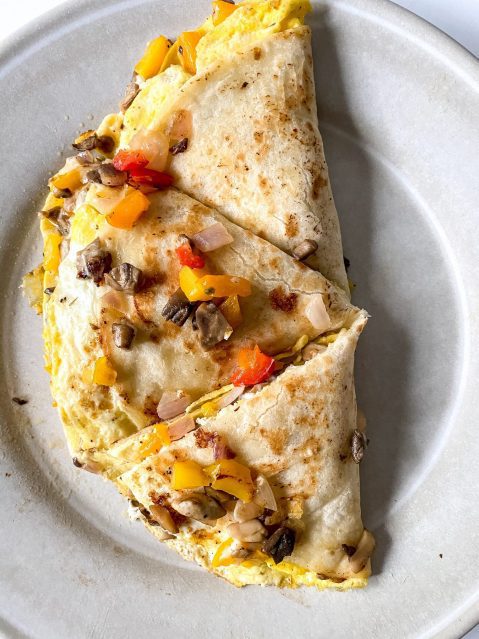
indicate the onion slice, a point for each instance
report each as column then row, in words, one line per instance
column 264, row 495
column 155, row 147
column 229, row 397
column 180, row 427
column 171, row 405
column 115, row 299
column 212, row 238
column 317, row 314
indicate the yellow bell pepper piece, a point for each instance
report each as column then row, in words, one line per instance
column 222, row 10
column 154, row 443
column 232, row 311
column 51, row 252
column 232, row 477
column 128, row 210
column 219, row 559
column 210, row 286
column 188, row 474
column 171, row 57
column 189, row 277
column 70, row 180
column 153, row 58
column 187, row 50
column 103, row 373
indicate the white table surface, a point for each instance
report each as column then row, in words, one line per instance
column 457, row 18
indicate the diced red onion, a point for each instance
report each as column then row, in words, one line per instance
column 212, row 238
column 115, row 299
column 229, row 397
column 155, row 147
column 317, row 314
column 180, row 427
column 264, row 495
column 171, row 405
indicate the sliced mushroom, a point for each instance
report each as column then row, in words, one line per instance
column 280, row 544
column 94, row 176
column 93, row 262
column 131, row 92
column 59, row 218
column 85, row 158
column 363, row 552
column 126, row 278
column 86, row 141
column 305, row 249
column 109, row 176
column 248, row 531
column 218, row 495
column 105, row 143
column 212, row 325
column 163, row 517
column 179, row 147
column 246, row 511
column 349, row 550
column 61, row 194
column 123, row 335
column 358, row 444
column 178, row 308
column 200, row 507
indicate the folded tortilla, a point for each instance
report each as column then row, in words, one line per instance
column 296, row 431
column 255, row 152
column 165, row 357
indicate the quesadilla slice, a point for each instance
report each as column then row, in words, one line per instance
column 140, row 322
column 234, row 104
column 265, row 491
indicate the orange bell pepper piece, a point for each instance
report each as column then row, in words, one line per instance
column 154, row 443
column 187, row 50
column 188, row 474
column 103, row 373
column 126, row 213
column 210, row 286
column 222, row 10
column 150, row 63
column 232, row 311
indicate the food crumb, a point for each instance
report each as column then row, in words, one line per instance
column 440, row 555
column 19, row 400
column 8, row 474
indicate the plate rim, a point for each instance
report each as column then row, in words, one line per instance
column 23, row 41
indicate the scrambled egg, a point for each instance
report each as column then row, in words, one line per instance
column 250, row 23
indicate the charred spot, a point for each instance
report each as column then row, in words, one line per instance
column 280, row 300
column 319, row 183
column 204, row 438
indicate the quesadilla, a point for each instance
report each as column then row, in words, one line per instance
column 238, row 111
column 268, row 477
column 194, row 362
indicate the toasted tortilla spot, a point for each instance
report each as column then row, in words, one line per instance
column 291, row 226
column 319, row 183
column 280, row 300
column 257, row 53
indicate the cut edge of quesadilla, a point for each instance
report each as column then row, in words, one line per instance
column 306, row 462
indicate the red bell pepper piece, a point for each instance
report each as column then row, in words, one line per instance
column 128, row 160
column 253, row 367
column 188, row 258
column 152, row 178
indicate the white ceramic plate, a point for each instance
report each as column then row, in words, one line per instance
column 399, row 106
